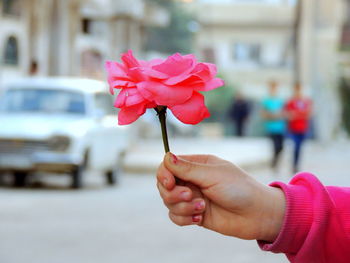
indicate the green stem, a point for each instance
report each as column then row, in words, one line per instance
column 161, row 110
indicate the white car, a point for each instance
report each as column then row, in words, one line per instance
column 60, row 125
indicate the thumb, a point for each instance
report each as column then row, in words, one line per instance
column 197, row 173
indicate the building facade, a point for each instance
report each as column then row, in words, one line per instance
column 251, row 42
column 70, row 37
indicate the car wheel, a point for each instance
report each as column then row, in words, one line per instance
column 112, row 177
column 78, row 173
column 77, row 178
column 20, row 179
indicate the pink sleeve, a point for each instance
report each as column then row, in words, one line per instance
column 316, row 227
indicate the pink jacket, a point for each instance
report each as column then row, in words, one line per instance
column 316, row 227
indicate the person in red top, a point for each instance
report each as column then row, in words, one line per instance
column 298, row 112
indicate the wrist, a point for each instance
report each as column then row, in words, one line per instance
column 273, row 214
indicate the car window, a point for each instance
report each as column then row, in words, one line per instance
column 104, row 102
column 43, row 100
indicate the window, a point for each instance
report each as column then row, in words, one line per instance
column 247, row 53
column 11, row 7
column 209, row 55
column 43, row 101
column 290, row 2
column 86, row 25
column 91, row 64
column 11, row 52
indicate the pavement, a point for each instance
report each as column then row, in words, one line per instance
column 144, row 156
column 49, row 223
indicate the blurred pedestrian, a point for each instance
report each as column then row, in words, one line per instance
column 33, row 68
column 275, row 124
column 298, row 111
column 239, row 113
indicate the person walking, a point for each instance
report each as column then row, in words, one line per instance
column 238, row 113
column 275, row 124
column 298, row 111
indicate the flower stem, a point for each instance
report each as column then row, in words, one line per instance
column 161, row 110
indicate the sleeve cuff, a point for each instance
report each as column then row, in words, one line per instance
column 297, row 220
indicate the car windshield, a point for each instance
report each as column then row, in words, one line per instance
column 43, row 100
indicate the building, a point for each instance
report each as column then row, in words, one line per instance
column 70, row 37
column 251, row 42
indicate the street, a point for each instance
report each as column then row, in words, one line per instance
column 49, row 223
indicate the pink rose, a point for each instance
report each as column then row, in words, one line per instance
column 174, row 83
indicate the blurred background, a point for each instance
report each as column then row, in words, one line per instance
column 76, row 187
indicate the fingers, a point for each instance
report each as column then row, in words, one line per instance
column 176, row 195
column 198, row 173
column 165, row 177
column 202, row 159
column 186, row 220
column 183, row 210
column 185, row 163
column 196, row 206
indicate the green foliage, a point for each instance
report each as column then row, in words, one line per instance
column 219, row 100
column 344, row 90
column 176, row 36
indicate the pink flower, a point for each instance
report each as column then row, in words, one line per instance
column 175, row 83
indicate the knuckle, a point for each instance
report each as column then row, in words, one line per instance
column 178, row 220
column 160, row 171
column 211, row 157
column 167, row 196
column 167, row 205
column 162, row 194
column 183, row 208
column 181, row 223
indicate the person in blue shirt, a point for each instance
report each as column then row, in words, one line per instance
column 275, row 124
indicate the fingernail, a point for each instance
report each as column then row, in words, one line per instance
column 185, row 195
column 196, row 218
column 200, row 205
column 173, row 158
column 165, row 182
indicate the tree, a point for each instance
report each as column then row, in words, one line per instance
column 296, row 41
column 176, row 36
column 344, row 90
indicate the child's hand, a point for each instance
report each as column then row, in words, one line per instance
column 219, row 196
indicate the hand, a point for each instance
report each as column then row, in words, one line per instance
column 219, row 196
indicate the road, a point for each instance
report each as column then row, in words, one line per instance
column 49, row 223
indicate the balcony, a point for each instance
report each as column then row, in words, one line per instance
column 243, row 15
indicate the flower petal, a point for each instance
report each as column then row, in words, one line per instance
column 133, row 97
column 202, row 71
column 128, row 97
column 162, row 94
column 130, row 114
column 119, row 84
column 115, row 71
column 175, row 65
column 210, row 85
column 153, row 73
column 192, row 111
column 212, row 68
column 153, row 62
column 129, row 60
column 120, row 100
column 177, row 79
